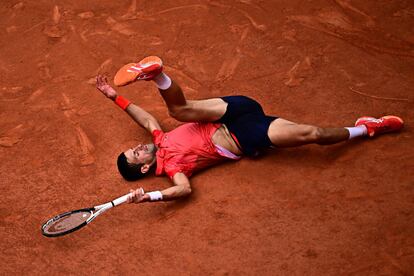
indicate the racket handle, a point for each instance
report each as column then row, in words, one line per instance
column 121, row 199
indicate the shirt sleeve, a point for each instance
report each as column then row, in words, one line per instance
column 157, row 136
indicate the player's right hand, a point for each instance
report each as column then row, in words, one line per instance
column 103, row 86
column 137, row 196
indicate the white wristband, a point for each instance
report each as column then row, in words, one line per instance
column 155, row 196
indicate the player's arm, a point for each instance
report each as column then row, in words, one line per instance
column 139, row 115
column 143, row 118
column 181, row 188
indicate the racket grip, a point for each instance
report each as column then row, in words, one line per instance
column 121, row 199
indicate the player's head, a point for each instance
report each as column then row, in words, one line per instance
column 137, row 162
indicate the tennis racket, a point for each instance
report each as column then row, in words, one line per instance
column 69, row 222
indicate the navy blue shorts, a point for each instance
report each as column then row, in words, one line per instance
column 246, row 120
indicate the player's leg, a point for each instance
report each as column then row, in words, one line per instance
column 151, row 68
column 188, row 110
column 284, row 133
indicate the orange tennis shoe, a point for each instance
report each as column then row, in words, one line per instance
column 382, row 125
column 146, row 69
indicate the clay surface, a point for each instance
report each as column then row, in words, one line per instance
column 346, row 209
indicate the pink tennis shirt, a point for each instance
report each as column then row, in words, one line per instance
column 188, row 148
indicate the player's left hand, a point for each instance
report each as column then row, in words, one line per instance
column 103, row 86
column 137, row 196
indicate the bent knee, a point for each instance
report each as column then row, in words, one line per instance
column 179, row 112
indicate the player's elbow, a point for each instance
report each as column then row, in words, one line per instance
column 186, row 190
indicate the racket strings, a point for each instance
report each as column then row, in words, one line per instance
column 67, row 222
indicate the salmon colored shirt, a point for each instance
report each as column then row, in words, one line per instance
column 187, row 148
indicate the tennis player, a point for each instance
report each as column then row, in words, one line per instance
column 215, row 130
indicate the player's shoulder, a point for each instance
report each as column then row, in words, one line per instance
column 157, row 136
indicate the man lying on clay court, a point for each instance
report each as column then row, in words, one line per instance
column 217, row 129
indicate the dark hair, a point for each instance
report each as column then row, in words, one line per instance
column 130, row 172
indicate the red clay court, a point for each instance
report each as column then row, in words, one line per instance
column 346, row 209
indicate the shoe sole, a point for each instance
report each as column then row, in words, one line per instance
column 146, row 65
column 131, row 71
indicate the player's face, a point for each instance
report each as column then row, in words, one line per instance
column 141, row 154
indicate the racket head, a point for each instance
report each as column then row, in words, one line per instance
column 66, row 223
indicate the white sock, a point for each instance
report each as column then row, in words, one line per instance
column 357, row 131
column 163, row 81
